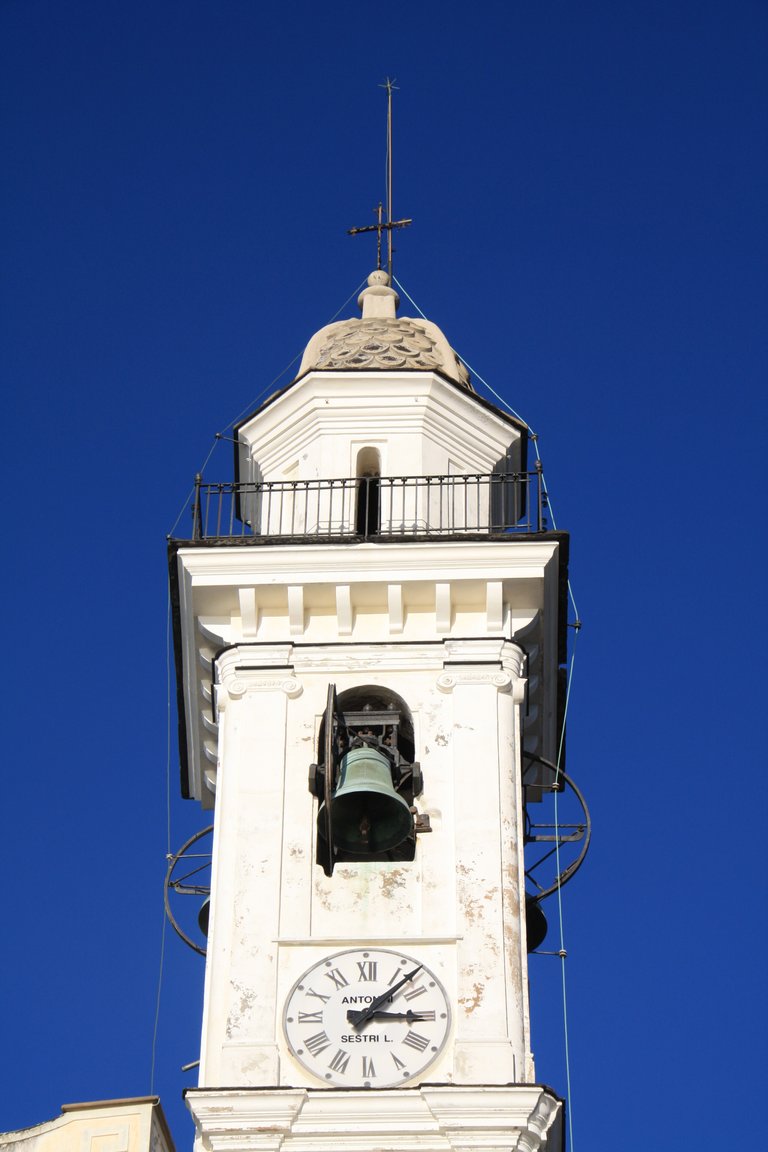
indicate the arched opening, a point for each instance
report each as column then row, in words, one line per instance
column 375, row 718
column 375, row 708
column 368, row 510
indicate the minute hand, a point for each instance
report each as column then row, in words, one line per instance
column 366, row 1013
column 410, row 1016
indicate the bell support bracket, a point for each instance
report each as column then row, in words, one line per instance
column 560, row 833
column 328, row 781
column 188, row 874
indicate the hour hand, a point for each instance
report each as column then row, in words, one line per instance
column 353, row 1017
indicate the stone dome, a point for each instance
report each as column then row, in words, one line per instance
column 382, row 341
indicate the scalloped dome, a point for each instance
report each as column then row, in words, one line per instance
column 380, row 341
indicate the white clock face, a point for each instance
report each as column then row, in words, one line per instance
column 367, row 1017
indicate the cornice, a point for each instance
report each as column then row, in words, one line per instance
column 441, row 1118
column 289, row 564
column 332, row 390
column 508, row 586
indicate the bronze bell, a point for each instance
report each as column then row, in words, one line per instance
column 535, row 923
column 203, row 916
column 368, row 816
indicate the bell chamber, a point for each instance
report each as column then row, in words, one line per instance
column 366, row 778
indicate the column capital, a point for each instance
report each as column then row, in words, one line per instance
column 244, row 668
column 496, row 662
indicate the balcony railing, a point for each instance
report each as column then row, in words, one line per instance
column 370, row 508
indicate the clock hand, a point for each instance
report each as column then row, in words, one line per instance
column 359, row 1018
column 410, row 1015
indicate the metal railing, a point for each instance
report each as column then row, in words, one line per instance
column 371, row 507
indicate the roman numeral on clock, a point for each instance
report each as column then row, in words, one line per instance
column 338, row 978
column 414, row 1040
column 317, row 1043
column 340, row 1061
column 412, row 993
column 318, row 995
column 316, row 1017
column 367, row 969
column 368, row 1068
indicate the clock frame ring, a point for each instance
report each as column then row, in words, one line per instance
column 367, row 1017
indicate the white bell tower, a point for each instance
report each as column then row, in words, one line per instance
column 369, row 624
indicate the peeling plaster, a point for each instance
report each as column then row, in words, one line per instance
column 473, row 908
column 323, row 897
column 247, row 998
column 391, row 881
column 471, row 1003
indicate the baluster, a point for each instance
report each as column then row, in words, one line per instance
column 268, row 510
column 197, row 527
column 218, row 510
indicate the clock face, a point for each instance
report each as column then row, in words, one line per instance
column 367, row 1018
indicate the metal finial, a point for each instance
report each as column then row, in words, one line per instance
column 389, row 85
column 389, row 224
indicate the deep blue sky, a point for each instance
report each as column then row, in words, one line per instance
column 588, row 188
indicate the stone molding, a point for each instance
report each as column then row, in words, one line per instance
column 239, row 1120
column 450, row 680
column 241, row 657
column 474, row 661
column 219, row 584
column 283, row 564
column 496, row 1118
column 260, row 668
column 444, row 1118
column 238, row 686
column 254, row 667
column 304, row 432
column 275, row 667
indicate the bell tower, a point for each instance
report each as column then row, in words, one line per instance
column 369, row 628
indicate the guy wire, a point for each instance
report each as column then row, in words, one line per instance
column 577, row 625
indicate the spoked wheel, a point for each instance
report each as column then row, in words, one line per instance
column 189, row 874
column 558, row 830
